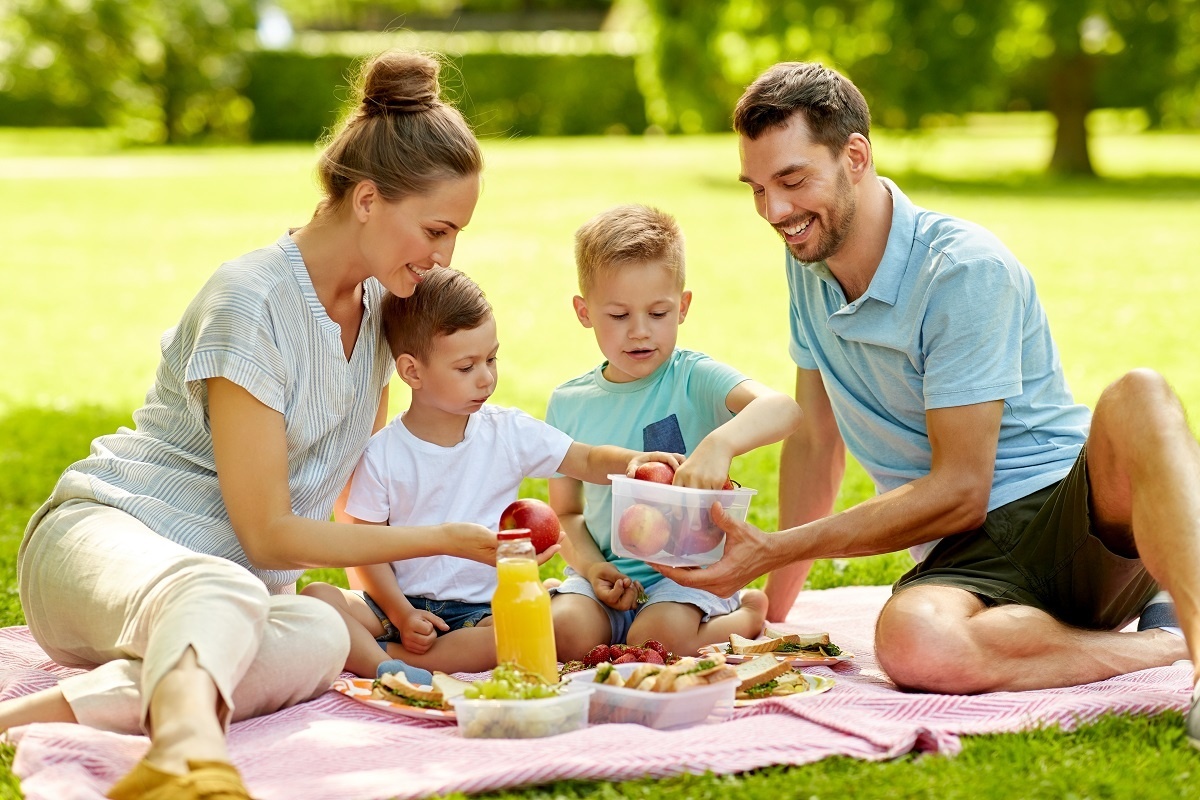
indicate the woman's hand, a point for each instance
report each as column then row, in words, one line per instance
column 418, row 630
column 467, row 540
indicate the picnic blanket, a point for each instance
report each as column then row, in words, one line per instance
column 336, row 747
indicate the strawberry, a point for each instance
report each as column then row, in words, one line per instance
column 628, row 658
column 652, row 657
column 656, row 646
column 597, row 655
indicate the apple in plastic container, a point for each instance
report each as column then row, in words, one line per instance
column 538, row 517
column 643, row 530
column 697, row 533
column 655, row 472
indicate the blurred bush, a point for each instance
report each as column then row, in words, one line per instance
column 541, row 85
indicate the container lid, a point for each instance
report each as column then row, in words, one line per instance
column 514, row 534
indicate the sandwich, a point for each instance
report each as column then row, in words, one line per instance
column 767, row 676
column 395, row 688
column 780, row 643
column 683, row 674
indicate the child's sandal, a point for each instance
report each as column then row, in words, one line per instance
column 204, row 780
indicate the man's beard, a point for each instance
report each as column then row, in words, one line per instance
column 835, row 227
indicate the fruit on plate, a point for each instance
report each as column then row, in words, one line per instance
column 538, row 517
column 655, row 472
column 643, row 530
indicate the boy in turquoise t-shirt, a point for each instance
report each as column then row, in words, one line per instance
column 648, row 395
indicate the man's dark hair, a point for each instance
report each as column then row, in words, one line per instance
column 832, row 106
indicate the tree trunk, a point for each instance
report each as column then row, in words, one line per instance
column 1069, row 98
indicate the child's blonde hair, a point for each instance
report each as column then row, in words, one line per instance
column 445, row 302
column 630, row 234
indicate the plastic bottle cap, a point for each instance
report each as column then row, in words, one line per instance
column 514, row 534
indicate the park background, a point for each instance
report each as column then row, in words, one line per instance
column 143, row 142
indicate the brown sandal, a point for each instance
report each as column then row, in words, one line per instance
column 205, row 780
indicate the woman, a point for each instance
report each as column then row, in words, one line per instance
column 169, row 556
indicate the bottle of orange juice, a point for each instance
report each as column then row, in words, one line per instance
column 521, row 608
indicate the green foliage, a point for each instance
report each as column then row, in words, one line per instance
column 914, row 59
column 297, row 95
column 158, row 70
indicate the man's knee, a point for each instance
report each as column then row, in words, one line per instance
column 1140, row 400
column 923, row 644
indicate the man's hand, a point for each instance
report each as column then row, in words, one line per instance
column 613, row 588
column 747, row 555
column 418, row 630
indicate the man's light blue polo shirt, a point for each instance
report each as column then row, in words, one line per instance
column 951, row 318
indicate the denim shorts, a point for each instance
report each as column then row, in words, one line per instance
column 1040, row 551
column 453, row 613
column 664, row 591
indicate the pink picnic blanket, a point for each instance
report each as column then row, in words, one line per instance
column 336, row 747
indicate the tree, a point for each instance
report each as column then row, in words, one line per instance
column 159, row 70
column 913, row 58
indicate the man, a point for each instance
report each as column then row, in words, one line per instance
column 1040, row 530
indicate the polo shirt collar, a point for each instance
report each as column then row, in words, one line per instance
column 885, row 284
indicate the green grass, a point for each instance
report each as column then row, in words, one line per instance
column 104, row 248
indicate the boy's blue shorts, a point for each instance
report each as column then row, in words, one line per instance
column 453, row 613
column 663, row 591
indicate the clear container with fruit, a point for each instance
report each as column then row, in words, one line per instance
column 672, row 525
column 514, row 704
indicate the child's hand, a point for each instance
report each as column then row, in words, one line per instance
column 706, row 468
column 613, row 588
column 418, row 630
column 672, row 459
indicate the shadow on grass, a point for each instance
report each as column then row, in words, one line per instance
column 1028, row 185
column 36, row 445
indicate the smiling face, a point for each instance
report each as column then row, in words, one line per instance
column 459, row 374
column 635, row 311
column 404, row 239
column 801, row 188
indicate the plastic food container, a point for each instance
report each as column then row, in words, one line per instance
column 671, row 525
column 523, row 719
column 661, row 710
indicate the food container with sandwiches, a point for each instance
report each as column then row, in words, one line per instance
column 672, row 525
column 690, row 692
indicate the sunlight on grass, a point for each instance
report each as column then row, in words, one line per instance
column 105, row 247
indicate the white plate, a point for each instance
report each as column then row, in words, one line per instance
column 360, row 689
column 795, row 659
column 817, row 684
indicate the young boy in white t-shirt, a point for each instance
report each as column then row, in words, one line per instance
column 449, row 457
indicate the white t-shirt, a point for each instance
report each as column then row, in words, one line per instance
column 403, row 480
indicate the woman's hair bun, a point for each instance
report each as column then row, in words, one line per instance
column 401, row 82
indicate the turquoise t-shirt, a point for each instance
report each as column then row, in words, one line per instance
column 951, row 318
column 672, row 410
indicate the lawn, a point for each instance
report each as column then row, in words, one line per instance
column 103, row 249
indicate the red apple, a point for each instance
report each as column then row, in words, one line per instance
column 655, row 472
column 643, row 530
column 535, row 515
column 697, row 534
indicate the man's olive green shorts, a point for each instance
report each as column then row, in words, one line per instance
column 1039, row 551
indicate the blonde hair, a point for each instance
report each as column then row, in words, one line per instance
column 399, row 134
column 445, row 302
column 629, row 234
